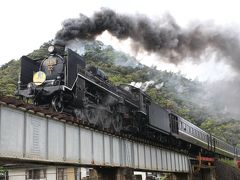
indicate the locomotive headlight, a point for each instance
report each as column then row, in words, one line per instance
column 39, row 78
column 50, row 49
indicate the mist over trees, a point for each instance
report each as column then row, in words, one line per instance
column 170, row 90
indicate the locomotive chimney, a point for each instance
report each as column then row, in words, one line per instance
column 59, row 46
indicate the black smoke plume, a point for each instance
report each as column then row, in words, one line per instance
column 163, row 36
column 166, row 38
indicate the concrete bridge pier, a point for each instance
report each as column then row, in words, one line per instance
column 124, row 174
column 111, row 174
column 208, row 174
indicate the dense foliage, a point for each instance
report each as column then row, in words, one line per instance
column 9, row 77
column 175, row 91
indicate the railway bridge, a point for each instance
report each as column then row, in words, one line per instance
column 29, row 136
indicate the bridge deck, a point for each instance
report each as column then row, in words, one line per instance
column 25, row 136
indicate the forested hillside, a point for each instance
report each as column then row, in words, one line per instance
column 170, row 90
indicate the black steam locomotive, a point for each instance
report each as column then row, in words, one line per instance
column 65, row 83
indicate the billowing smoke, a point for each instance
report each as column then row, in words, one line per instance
column 174, row 44
column 163, row 36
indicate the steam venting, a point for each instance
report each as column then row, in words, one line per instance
column 162, row 36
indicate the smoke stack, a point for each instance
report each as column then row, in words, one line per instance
column 59, row 46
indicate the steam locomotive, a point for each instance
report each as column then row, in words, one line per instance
column 64, row 82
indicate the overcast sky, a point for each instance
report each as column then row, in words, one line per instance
column 27, row 24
